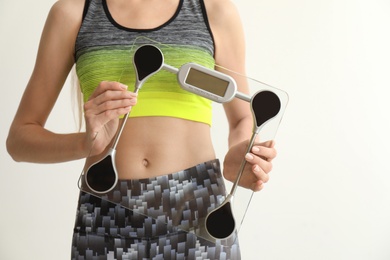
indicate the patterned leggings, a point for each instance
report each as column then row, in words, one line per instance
column 107, row 229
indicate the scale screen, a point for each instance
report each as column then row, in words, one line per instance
column 207, row 82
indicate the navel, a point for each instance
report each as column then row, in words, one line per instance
column 145, row 162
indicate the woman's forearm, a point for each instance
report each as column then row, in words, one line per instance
column 33, row 143
column 241, row 131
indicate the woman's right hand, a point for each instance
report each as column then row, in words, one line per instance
column 109, row 101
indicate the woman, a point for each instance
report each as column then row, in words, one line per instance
column 156, row 144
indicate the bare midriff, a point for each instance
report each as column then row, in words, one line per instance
column 154, row 146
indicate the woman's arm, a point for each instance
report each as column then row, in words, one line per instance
column 230, row 53
column 229, row 40
column 28, row 140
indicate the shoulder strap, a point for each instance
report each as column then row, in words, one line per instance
column 86, row 6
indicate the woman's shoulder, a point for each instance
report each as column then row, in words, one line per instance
column 220, row 7
column 221, row 13
column 64, row 20
column 67, row 11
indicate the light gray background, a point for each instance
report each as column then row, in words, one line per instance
column 329, row 195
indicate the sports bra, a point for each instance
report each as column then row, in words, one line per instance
column 104, row 50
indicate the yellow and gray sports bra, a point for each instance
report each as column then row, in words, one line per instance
column 104, row 52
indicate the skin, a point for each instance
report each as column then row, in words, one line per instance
column 149, row 146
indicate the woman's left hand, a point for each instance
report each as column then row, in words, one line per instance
column 258, row 166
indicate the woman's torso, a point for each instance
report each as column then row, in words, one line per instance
column 160, row 145
column 155, row 145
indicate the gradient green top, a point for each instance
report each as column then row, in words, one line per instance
column 105, row 49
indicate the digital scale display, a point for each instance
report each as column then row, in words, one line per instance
column 207, row 83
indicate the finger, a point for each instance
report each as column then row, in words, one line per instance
column 260, row 174
column 106, row 112
column 114, row 107
column 257, row 186
column 263, row 163
column 107, row 85
column 111, row 114
column 102, row 116
column 110, row 95
column 269, row 143
column 110, row 100
column 96, row 120
column 264, row 152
